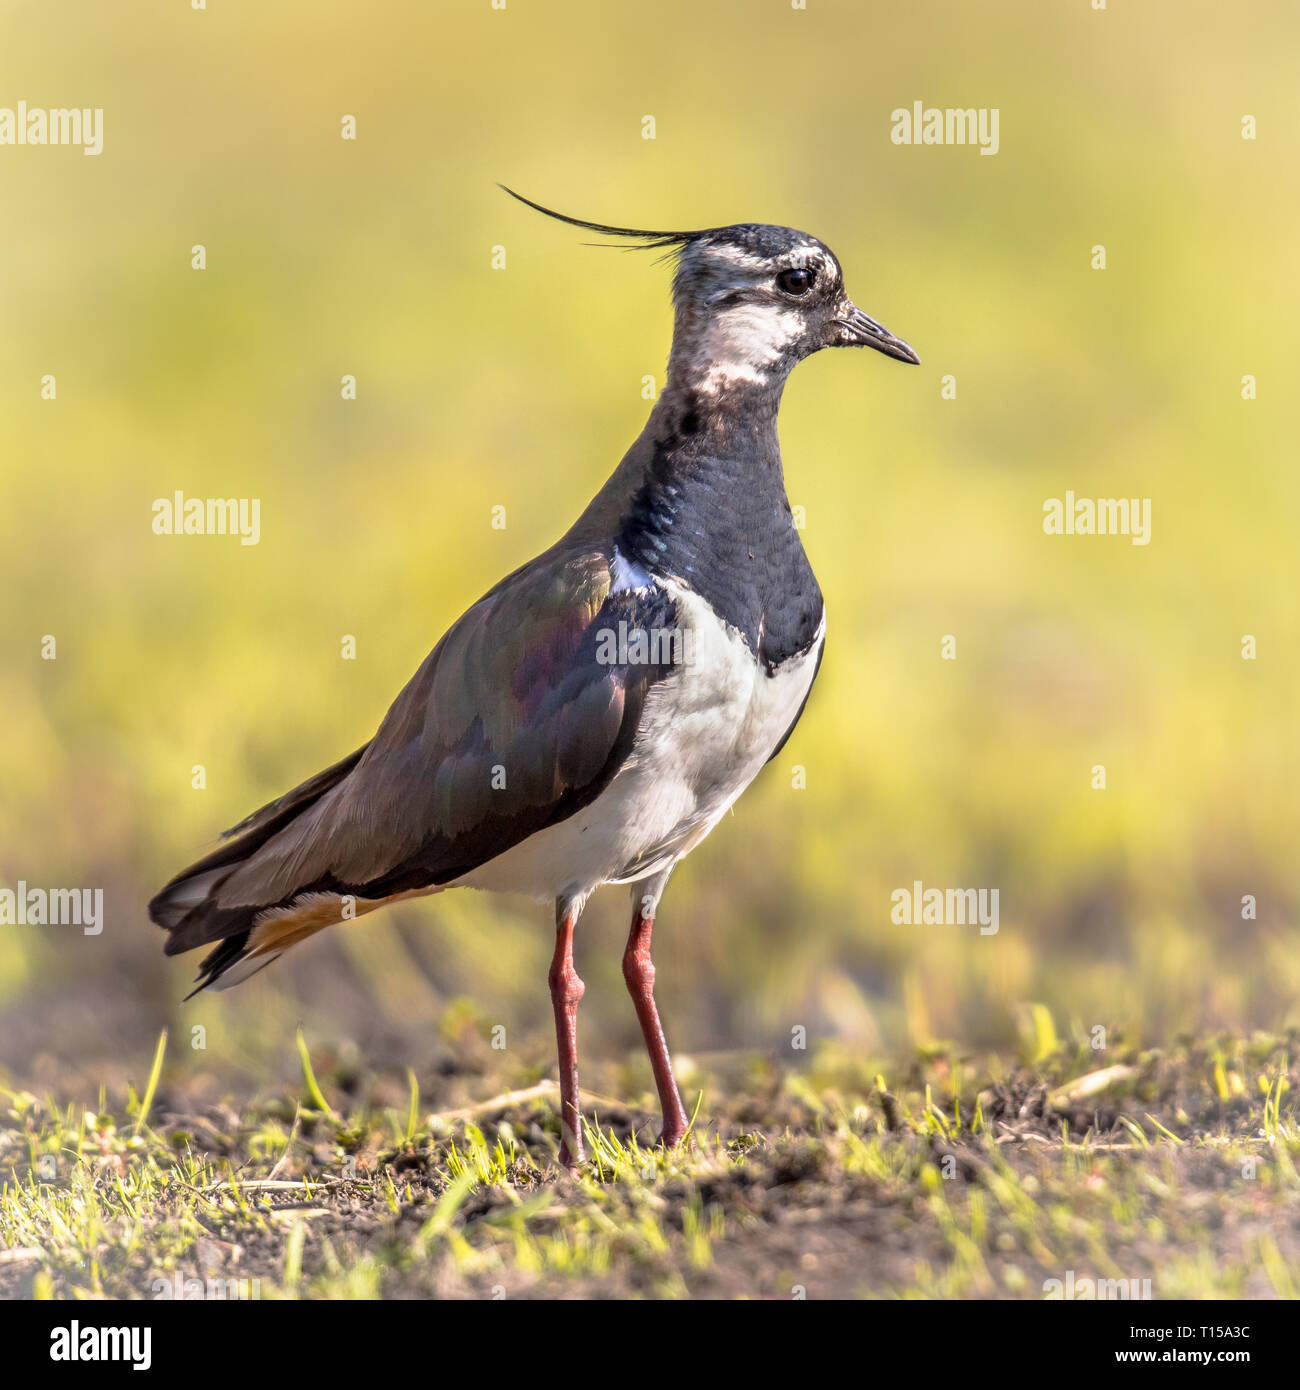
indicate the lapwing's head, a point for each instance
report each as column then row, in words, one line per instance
column 753, row 300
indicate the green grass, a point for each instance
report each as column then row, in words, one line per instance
column 938, row 1177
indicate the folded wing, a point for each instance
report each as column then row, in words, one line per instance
column 518, row 718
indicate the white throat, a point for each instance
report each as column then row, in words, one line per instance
column 743, row 343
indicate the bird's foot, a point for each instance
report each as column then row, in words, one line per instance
column 673, row 1134
column 573, row 1152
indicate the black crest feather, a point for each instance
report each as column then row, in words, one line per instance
column 649, row 240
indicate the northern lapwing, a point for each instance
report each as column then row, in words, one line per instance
column 592, row 717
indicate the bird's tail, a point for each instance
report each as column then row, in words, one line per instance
column 189, row 908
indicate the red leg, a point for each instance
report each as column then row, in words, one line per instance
column 639, row 972
column 566, row 990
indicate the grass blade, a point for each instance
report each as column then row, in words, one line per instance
column 146, row 1102
column 314, row 1092
column 413, row 1115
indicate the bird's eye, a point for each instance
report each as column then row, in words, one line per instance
column 795, row 281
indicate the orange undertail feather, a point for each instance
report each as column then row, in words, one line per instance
column 245, row 937
column 276, row 931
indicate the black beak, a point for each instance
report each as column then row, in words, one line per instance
column 857, row 330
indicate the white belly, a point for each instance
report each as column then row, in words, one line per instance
column 705, row 734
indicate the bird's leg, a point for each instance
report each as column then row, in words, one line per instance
column 639, row 972
column 566, row 990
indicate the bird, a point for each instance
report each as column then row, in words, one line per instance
column 594, row 715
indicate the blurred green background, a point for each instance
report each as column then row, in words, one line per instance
column 521, row 387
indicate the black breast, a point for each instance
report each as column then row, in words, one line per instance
column 720, row 522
